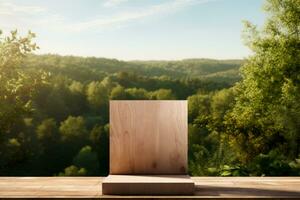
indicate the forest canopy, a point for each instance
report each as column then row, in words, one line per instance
column 244, row 115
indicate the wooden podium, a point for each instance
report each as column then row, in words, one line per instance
column 148, row 148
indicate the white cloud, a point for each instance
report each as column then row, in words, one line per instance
column 9, row 8
column 27, row 17
column 24, row 17
column 125, row 17
column 111, row 3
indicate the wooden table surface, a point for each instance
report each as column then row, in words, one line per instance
column 206, row 188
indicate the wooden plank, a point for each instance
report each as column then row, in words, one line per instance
column 148, row 185
column 50, row 187
column 148, row 137
column 248, row 187
column 206, row 188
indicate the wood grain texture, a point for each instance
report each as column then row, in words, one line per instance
column 148, row 137
column 148, row 185
column 206, row 188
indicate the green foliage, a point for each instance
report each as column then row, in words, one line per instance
column 73, row 171
column 272, row 164
column 87, row 159
column 216, row 70
column 118, row 92
column 100, row 142
column 73, row 128
column 47, row 130
column 97, row 94
column 266, row 115
column 227, row 170
column 17, row 88
column 137, row 94
column 13, row 48
column 295, row 166
column 76, row 87
column 162, row 94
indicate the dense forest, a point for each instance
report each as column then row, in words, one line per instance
column 244, row 115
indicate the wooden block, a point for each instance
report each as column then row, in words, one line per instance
column 148, row 137
column 148, row 185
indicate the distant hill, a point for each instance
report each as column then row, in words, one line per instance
column 216, row 70
column 90, row 68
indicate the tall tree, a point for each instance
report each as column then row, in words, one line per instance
column 266, row 116
column 16, row 90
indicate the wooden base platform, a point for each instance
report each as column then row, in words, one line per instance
column 148, row 185
column 205, row 188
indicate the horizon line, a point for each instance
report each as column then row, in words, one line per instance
column 141, row 60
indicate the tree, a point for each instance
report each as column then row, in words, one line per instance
column 76, row 98
column 74, row 136
column 162, row 94
column 266, row 115
column 118, row 93
column 198, row 105
column 76, row 87
column 73, row 128
column 16, row 91
column 73, row 171
column 87, row 159
column 47, row 130
column 97, row 95
column 220, row 104
column 100, row 139
column 137, row 94
column 49, row 148
column 12, row 49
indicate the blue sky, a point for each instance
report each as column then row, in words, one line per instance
column 135, row 29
